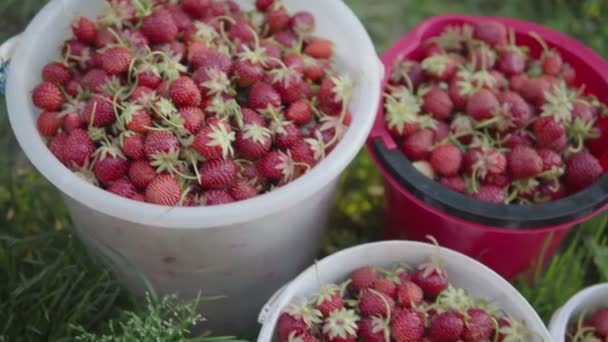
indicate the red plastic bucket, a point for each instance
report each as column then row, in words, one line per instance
column 509, row 239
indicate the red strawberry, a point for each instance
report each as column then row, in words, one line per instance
column 286, row 134
column 218, row 174
column 553, row 191
column 583, row 111
column 363, row 278
column 47, row 96
column 133, row 146
column 478, row 326
column 500, row 181
column 262, row 96
column 295, row 63
column 299, row 112
column 458, row 93
column 160, row 142
column 432, row 280
column 104, row 38
column 185, row 93
column 441, row 66
column 48, row 123
column 550, row 158
column 78, row 148
column 164, row 190
column 441, row 130
column 263, row 5
column 582, row 170
column 409, row 294
column 518, row 81
column 110, row 167
column 455, row 183
column 297, row 318
column 72, row 121
column 417, row 146
column 518, row 138
column 148, row 79
column 482, row 105
column 446, row 160
column 550, row 133
column 373, row 329
column 332, row 94
column 277, row 17
column 314, row 70
column 57, row 145
column 218, row 197
column 524, row 162
column 99, row 112
column 241, row 191
column 482, row 57
column 511, row 62
column 407, row 326
column 374, row 303
column 341, row 326
column 599, row 320
column 328, row 300
column 141, row 173
column 254, row 141
column 302, row 22
column 490, row 32
column 516, row 110
column 247, row 73
column 276, row 165
column 490, row 193
column 56, row 73
column 483, row 162
column 214, row 141
column 122, row 187
column 95, row 80
column 438, row 103
column 85, row 30
column 251, row 117
column 193, row 118
column 116, row 60
column 568, row 74
column 534, row 90
column 446, row 327
column 196, row 8
column 320, row 49
column 140, row 121
column 385, row 286
column 160, row 27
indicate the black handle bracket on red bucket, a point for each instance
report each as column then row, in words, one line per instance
column 498, row 215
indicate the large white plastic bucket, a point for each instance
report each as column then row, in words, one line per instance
column 462, row 272
column 243, row 251
column 591, row 298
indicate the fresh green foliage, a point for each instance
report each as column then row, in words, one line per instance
column 165, row 319
column 48, row 286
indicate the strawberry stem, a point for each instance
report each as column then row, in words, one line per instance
column 540, row 41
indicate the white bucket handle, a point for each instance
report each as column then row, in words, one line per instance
column 7, row 49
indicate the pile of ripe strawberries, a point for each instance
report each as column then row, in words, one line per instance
column 193, row 102
column 398, row 304
column 591, row 327
column 484, row 117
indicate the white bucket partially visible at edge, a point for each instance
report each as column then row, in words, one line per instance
column 591, row 298
column 463, row 272
column 244, row 250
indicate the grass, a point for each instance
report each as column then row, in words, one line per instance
column 49, row 290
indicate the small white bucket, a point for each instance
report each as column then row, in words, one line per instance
column 243, row 251
column 462, row 272
column 588, row 299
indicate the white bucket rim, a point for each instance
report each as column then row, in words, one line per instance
column 192, row 217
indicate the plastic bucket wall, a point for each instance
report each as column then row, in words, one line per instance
column 591, row 298
column 244, row 250
column 462, row 271
column 517, row 242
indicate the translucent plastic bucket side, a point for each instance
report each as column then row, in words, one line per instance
column 590, row 298
column 463, row 272
column 245, row 263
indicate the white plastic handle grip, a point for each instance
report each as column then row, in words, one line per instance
column 7, row 49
